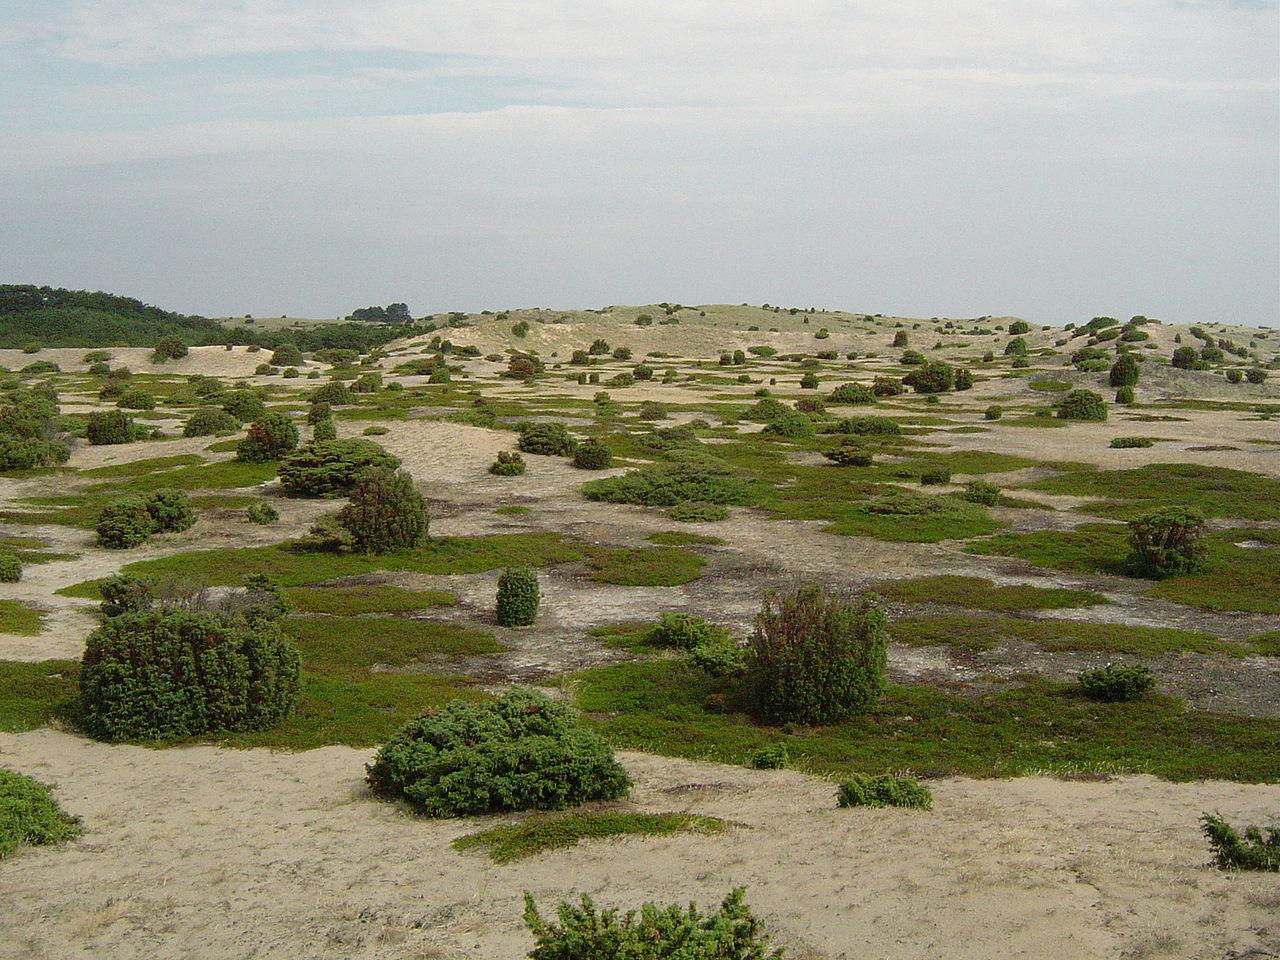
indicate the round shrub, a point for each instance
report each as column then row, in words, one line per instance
column 1019, row 327
column 10, row 568
column 123, row 594
column 1166, row 543
column 771, row 757
column 936, row 477
column 1256, row 375
column 111, row 426
column 386, row 512
column 262, row 513
column 124, row 523
column 210, row 422
column 809, row 381
column 1124, row 372
column 270, row 437
column 1125, row 396
column 546, row 439
column 517, row 597
column 508, row 464
column 964, row 379
column 791, row 424
column 286, row 355
column 870, row 426
column 325, row 430
column 993, row 412
column 851, row 393
column 1233, row 375
column 521, row 751
column 319, row 412
column 1116, row 683
column 934, row 377
column 815, row 658
column 1017, row 347
column 980, row 491
column 163, row 674
column 244, row 405
column 849, row 455
column 169, row 348
column 592, row 455
column 887, row 387
column 1082, row 405
column 335, row 392
column 170, row 511
column 136, row 400
column 329, row 468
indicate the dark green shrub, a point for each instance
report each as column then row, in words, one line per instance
column 335, row 393
column 124, row 523
column 547, row 439
column 1256, row 375
column 287, row 355
column 934, row 377
column 671, row 933
column 270, row 437
column 324, row 430
column 319, row 412
column 980, row 491
column 1017, row 347
column 508, row 464
column 386, row 512
column 520, row 751
column 1186, row 358
column 870, row 427
column 851, row 393
column 993, row 412
column 899, row 339
column 375, row 430
column 913, row 358
column 209, row 422
column 329, row 468
column 1233, row 850
column 1125, row 396
column 123, row 594
column 935, row 477
column 887, row 387
column 262, row 513
column 1082, row 405
column 518, row 597
column 29, row 816
column 1234, row 376
column 771, row 757
column 1124, row 372
column 1124, row 443
column 110, row 426
column 809, row 381
column 169, row 348
column 136, row 400
column 166, row 674
column 244, row 405
column 666, row 485
column 682, row 631
column 964, row 379
column 1116, row 683
column 815, row 658
column 1019, row 327
column 170, row 511
column 791, row 424
column 698, row 511
column 592, row 455
column 10, row 568
column 883, row 791
column 849, row 455
column 1166, row 543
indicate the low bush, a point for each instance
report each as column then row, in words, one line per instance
column 170, row 511
column 546, row 439
column 386, row 512
column 1082, row 405
column 1251, row 849
column 1125, row 443
column 270, row 437
column 1125, row 396
column 10, row 568
column 980, row 491
column 668, row 485
column 993, row 412
column 682, row 631
column 29, row 816
column 520, row 751
column 136, row 400
column 124, row 523
column 324, row 430
column 244, row 405
column 335, row 393
column 964, row 379
column 887, row 387
column 518, row 597
column 849, row 455
column 791, row 424
column 165, row 674
column 1234, row 376
column 1116, row 683
column 1166, row 543
column 111, row 426
column 262, row 513
column 851, row 393
column 329, row 468
column 815, row 658
column 210, row 422
column 123, row 594
column 592, row 455
column 935, row 477
column 1256, row 375
column 670, row 933
column 508, row 464
column 883, row 791
column 934, row 377
column 771, row 757
column 870, row 426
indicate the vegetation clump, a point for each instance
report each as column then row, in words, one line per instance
column 270, row 437
column 851, row 393
column 980, row 491
column 210, row 422
column 547, row 439
column 518, row 597
column 666, row 485
column 1250, row 849
column 1082, row 405
column 111, row 426
column 883, row 791
column 29, row 816
column 10, row 568
column 330, row 468
column 521, row 751
column 508, row 464
column 386, row 512
column 1166, row 543
column 1116, row 683
column 933, row 377
column 592, row 455
column 262, row 513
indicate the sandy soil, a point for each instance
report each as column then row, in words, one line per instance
column 210, row 361
column 214, row 853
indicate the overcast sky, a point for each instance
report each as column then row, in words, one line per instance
column 1053, row 160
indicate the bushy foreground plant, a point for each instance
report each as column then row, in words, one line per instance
column 270, row 437
column 1082, row 405
column 111, row 426
column 1116, row 683
column 547, row 439
column 883, row 791
column 671, row 933
column 130, row 521
column 29, row 816
column 521, row 751
column 10, row 568
column 773, row 756
column 1166, row 543
column 386, row 512
column 1251, row 849
column 163, row 674
column 210, row 422
column 981, row 491
column 815, row 657
column 592, row 455
column 518, row 597
column 508, row 464
column 262, row 513
column 329, row 468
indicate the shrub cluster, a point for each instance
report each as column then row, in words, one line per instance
column 1116, row 683
column 851, row 393
column 520, row 751
column 208, row 422
column 386, row 512
column 883, row 791
column 508, row 464
column 548, row 439
column 130, row 521
column 329, row 468
column 1082, row 405
column 270, row 437
column 518, row 597
column 870, row 426
column 592, row 455
column 934, row 377
column 935, row 477
column 774, row 756
column 112, row 426
column 1236, row 850
column 1166, row 543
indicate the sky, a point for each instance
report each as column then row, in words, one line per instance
column 1054, row 160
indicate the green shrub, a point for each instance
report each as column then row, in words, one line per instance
column 934, row 377
column 324, row 430
column 1186, row 358
column 1019, row 327
column 1116, row 683
column 666, row 485
column 698, row 511
column 262, row 513
column 592, row 455
column 169, row 348
column 964, row 379
column 287, row 355
column 771, row 757
column 1256, row 375
column 1125, row 443
column 123, row 594
column 671, row 933
column 319, row 412
column 520, row 751
column 386, row 512
column 170, row 511
column 870, row 426
column 375, row 430
column 244, row 405
column 1125, row 396
column 883, row 791
column 29, row 816
column 993, row 412
column 329, row 468
column 1082, row 405
column 790, row 424
column 136, row 400
column 1124, row 372
column 210, row 422
column 508, row 464
column 851, row 393
column 124, row 523
column 270, row 437
column 165, row 674
column 682, row 631
column 547, row 439
column 10, row 568
column 980, row 491
column 335, row 392
column 887, row 387
column 899, row 339
column 518, row 597
column 1233, row 850
column 809, row 381
column 849, row 455
column 110, row 426
column 1166, row 543
column 815, row 658
column 1234, row 376
column 935, row 477
column 1017, row 347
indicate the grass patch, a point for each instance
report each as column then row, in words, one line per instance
column 227, row 474
column 29, row 815
column 659, row 706
column 338, row 644
column 19, row 619
column 981, row 594
column 33, row 694
column 675, row 538
column 511, row 510
column 137, row 468
column 1049, row 385
column 538, row 834
column 977, row 633
column 644, row 566
column 1213, row 491
column 366, row 598
column 906, row 516
column 1266, row 644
